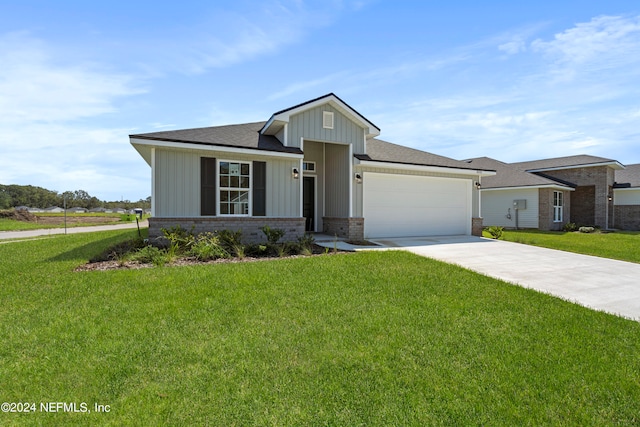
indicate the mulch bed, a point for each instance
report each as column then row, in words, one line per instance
column 186, row 261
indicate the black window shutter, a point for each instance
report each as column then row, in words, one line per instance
column 207, row 186
column 259, row 188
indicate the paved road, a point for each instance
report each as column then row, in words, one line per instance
column 51, row 231
column 603, row 284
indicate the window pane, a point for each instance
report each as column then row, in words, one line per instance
column 245, row 169
column 234, row 169
column 224, row 181
column 224, row 208
column 224, row 167
column 234, row 196
column 234, row 182
column 244, row 196
column 224, row 196
column 244, row 182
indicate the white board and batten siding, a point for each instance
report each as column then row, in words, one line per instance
column 308, row 125
column 177, row 182
column 498, row 204
column 414, row 205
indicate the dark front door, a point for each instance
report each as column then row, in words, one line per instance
column 309, row 202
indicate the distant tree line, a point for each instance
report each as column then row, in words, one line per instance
column 12, row 196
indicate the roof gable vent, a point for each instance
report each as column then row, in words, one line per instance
column 327, row 120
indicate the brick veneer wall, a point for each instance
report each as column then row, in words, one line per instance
column 584, row 206
column 250, row 226
column 348, row 228
column 627, row 217
column 476, row 227
column 545, row 209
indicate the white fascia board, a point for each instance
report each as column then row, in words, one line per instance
column 627, row 189
column 439, row 169
column 219, row 148
column 530, row 187
column 615, row 165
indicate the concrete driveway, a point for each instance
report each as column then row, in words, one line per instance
column 599, row 283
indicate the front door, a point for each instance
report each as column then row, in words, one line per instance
column 309, row 202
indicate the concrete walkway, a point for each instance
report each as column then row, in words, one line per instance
column 598, row 283
column 26, row 234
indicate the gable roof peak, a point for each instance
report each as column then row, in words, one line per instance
column 281, row 117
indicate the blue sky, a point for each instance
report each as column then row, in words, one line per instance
column 510, row 80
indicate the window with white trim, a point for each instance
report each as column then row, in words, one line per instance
column 557, row 206
column 234, row 189
column 308, row 166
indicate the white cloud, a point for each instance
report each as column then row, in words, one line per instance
column 605, row 40
column 34, row 87
column 513, row 47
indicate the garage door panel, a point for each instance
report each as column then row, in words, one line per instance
column 406, row 205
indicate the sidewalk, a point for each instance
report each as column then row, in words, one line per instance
column 25, row 234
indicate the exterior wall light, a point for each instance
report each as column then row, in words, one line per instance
column 295, row 173
column 478, row 185
column 358, row 177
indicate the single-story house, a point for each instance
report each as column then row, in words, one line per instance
column 548, row 193
column 54, row 209
column 315, row 167
column 77, row 209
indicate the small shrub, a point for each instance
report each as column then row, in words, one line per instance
column 206, row 247
column 305, row 244
column 255, row 250
column 586, row 229
column 494, row 231
column 150, row 254
column 231, row 241
column 180, row 240
column 273, row 234
column 570, row 227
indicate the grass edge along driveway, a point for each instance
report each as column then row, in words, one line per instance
column 372, row 338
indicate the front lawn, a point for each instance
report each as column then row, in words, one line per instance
column 621, row 245
column 372, row 338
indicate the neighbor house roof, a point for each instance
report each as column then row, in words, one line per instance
column 568, row 162
column 511, row 175
column 628, row 177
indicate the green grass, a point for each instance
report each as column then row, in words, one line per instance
column 373, row 338
column 621, row 245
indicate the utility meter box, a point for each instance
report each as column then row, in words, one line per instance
column 520, row 204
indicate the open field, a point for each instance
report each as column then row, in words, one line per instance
column 375, row 338
column 57, row 220
column 621, row 245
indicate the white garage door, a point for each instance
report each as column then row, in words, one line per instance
column 405, row 205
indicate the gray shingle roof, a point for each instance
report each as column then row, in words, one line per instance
column 240, row 136
column 247, row 136
column 558, row 162
column 509, row 175
column 383, row 151
column 629, row 177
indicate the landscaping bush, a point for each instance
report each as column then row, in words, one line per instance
column 206, row 247
column 586, row 229
column 570, row 227
column 150, row 254
column 231, row 241
column 494, row 231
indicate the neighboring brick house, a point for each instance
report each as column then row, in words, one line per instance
column 582, row 189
